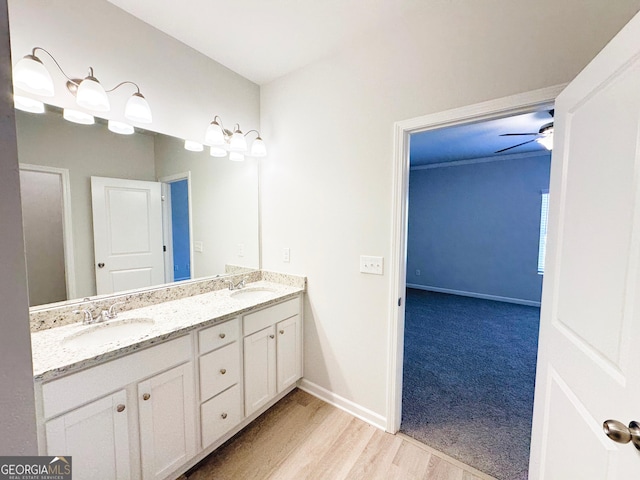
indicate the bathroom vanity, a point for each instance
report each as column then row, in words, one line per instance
column 152, row 392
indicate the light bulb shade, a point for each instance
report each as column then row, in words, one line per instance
column 31, row 75
column 214, row 134
column 193, row 146
column 218, row 152
column 91, row 95
column 546, row 141
column 137, row 109
column 238, row 143
column 236, row 157
column 120, row 128
column 27, row 104
column 258, row 148
column 76, row 116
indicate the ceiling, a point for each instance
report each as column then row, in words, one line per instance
column 476, row 140
column 263, row 40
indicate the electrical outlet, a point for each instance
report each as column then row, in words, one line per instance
column 417, row 272
column 198, row 247
column 286, row 254
column 374, row 265
column 241, row 249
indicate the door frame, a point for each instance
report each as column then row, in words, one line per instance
column 502, row 107
column 67, row 225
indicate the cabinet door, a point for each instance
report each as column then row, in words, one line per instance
column 96, row 436
column 167, row 421
column 289, row 352
column 259, row 369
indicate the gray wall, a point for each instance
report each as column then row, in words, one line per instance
column 474, row 228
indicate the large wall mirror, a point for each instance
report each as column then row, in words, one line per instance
column 208, row 207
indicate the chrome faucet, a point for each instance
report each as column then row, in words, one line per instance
column 111, row 313
column 103, row 316
column 241, row 284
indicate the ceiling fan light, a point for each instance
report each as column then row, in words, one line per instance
column 76, row 116
column 546, row 141
column 27, row 104
column 238, row 143
column 214, row 134
column 92, row 96
column 120, row 128
column 31, row 75
column 137, row 109
column 193, row 146
column 218, row 151
column 236, row 157
column 258, row 148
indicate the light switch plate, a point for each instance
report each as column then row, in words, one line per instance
column 198, row 247
column 373, row 265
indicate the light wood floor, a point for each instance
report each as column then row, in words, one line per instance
column 302, row 437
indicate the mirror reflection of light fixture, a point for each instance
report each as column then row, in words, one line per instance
column 233, row 143
column 76, row 116
column 30, row 75
column 27, row 104
column 546, row 138
column 193, row 146
column 120, row 128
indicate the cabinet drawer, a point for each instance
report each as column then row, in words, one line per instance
column 269, row 316
column 218, row 336
column 220, row 414
column 219, row 370
column 68, row 392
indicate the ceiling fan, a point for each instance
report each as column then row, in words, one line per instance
column 544, row 136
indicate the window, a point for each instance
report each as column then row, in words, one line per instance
column 542, row 246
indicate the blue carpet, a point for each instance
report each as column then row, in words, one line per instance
column 469, row 372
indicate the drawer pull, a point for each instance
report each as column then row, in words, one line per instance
column 223, row 371
column 224, row 415
column 281, row 332
column 146, row 396
column 272, row 336
column 222, row 335
column 120, row 408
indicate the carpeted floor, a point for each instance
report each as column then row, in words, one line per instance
column 469, row 371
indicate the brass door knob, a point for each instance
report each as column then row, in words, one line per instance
column 223, row 371
column 619, row 433
column 120, row 408
column 146, row 396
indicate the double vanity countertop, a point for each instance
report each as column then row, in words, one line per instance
column 58, row 351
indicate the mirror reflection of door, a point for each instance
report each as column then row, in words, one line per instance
column 47, row 231
column 176, row 218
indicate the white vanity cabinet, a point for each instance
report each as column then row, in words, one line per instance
column 132, row 417
column 272, row 352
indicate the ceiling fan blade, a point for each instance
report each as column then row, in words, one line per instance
column 513, row 134
column 518, row 145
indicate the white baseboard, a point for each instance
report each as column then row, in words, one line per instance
column 342, row 403
column 462, row 293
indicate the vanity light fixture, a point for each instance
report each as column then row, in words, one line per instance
column 234, row 143
column 30, row 75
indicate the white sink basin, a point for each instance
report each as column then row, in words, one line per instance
column 103, row 333
column 254, row 294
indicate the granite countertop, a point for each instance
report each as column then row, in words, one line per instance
column 54, row 355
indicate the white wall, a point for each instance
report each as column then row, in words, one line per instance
column 17, row 406
column 327, row 183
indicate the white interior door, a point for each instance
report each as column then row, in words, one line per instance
column 589, row 361
column 127, row 234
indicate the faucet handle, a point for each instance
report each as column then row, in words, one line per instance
column 88, row 316
column 112, row 313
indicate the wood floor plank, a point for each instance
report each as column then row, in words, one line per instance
column 304, row 438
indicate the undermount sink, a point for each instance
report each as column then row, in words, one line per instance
column 103, row 333
column 253, row 294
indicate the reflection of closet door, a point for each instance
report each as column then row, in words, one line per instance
column 127, row 234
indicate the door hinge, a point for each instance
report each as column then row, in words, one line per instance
column 400, row 302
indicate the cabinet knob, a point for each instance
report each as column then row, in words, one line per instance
column 120, row 408
column 222, row 335
column 146, row 396
column 272, row 336
column 224, row 415
column 223, row 371
column 281, row 332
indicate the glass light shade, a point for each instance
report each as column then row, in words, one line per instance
column 238, row 142
column 119, row 127
column 27, row 104
column 76, row 116
column 214, row 134
column 137, row 109
column 31, row 75
column 218, row 152
column 91, row 95
column 193, row 146
column 258, row 148
column 546, row 141
column 236, row 157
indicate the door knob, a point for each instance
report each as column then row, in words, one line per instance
column 617, row 432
